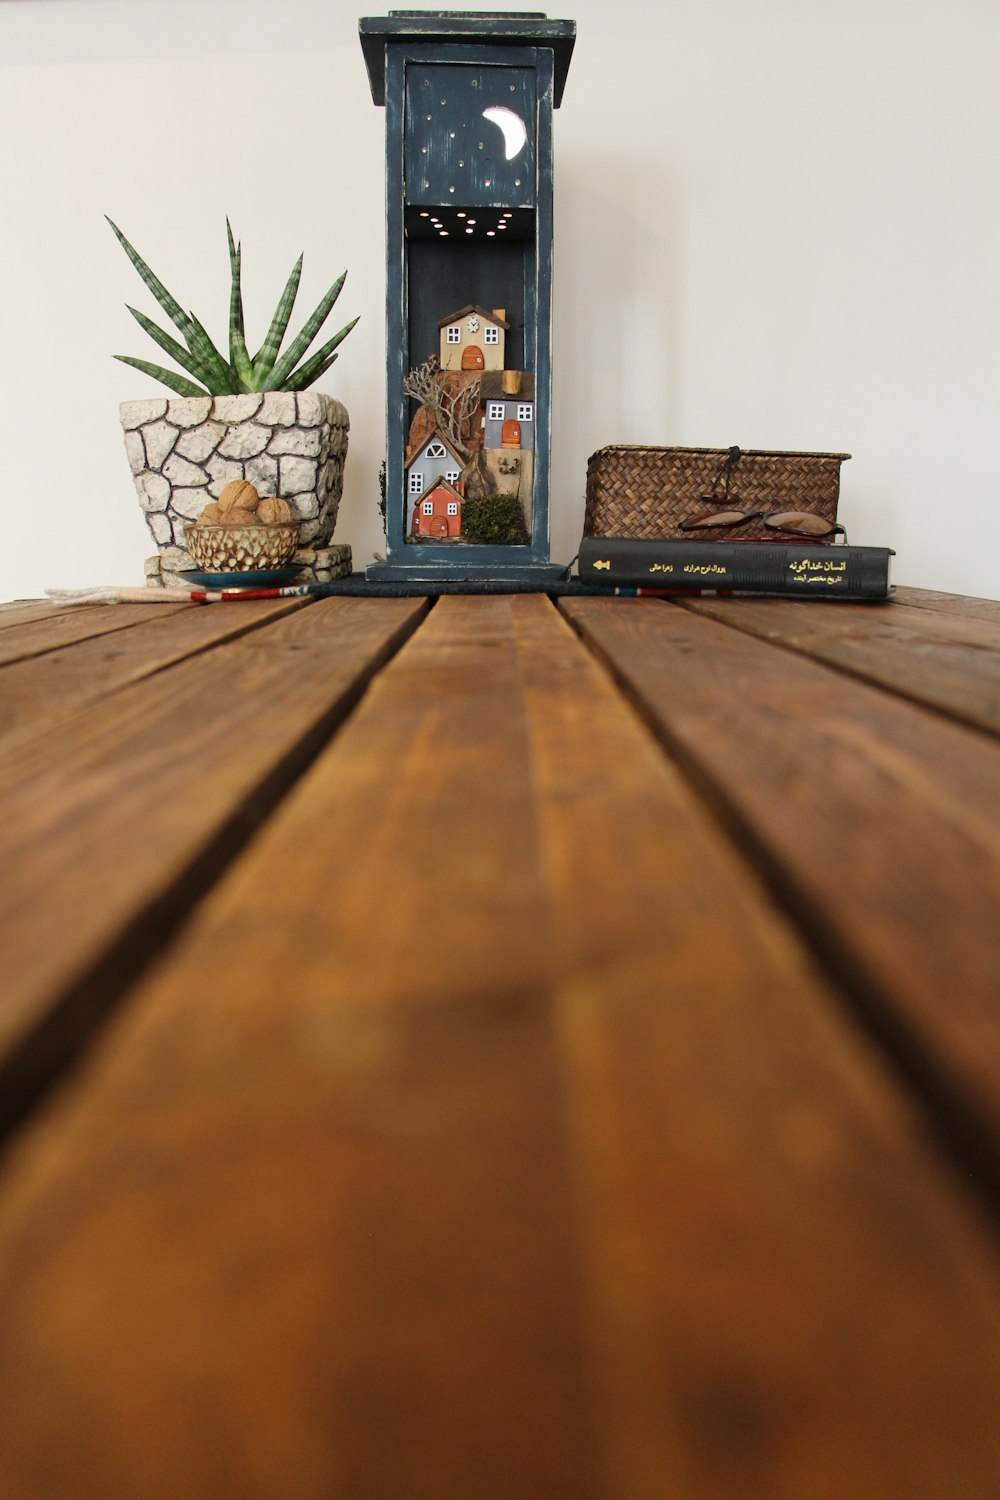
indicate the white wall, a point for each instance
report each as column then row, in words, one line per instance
column 777, row 225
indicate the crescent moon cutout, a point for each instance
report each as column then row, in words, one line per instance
column 514, row 133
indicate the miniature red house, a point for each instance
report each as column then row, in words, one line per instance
column 438, row 512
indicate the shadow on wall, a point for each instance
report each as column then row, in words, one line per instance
column 619, row 337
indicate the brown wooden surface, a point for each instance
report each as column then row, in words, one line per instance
column 37, row 693
column 949, row 661
column 51, row 628
column 955, row 605
column 880, row 822
column 561, row 1094
column 110, row 829
column 20, row 611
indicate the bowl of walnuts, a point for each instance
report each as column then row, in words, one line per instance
column 242, row 533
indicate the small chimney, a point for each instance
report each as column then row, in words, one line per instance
column 501, row 313
column 510, row 382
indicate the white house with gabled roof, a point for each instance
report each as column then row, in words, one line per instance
column 472, row 338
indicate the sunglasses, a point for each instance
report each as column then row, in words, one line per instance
column 795, row 522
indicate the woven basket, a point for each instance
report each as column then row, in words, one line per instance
column 647, row 492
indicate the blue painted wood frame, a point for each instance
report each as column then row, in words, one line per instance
column 429, row 560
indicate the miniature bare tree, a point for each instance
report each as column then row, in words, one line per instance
column 452, row 406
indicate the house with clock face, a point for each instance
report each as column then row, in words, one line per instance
column 472, row 338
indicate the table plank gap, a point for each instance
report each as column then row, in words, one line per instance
column 40, row 692
column 496, row 1178
column 949, row 663
column 876, row 825
column 112, row 829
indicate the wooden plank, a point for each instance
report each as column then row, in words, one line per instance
column 950, row 662
column 23, row 612
column 16, row 611
column 951, row 604
column 878, row 821
column 502, row 1142
column 49, row 632
column 114, row 826
column 40, row 692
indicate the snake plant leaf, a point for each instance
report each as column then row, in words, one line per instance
column 167, row 301
column 239, row 357
column 241, row 363
column 170, row 305
column 236, row 296
column 178, row 383
column 304, row 376
column 195, row 336
column 286, row 364
column 263, row 360
column 317, row 364
column 266, row 371
column 201, row 344
column 184, row 357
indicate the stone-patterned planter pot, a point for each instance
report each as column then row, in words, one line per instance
column 185, row 449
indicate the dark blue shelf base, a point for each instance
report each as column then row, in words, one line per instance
column 423, row 588
column 512, row 577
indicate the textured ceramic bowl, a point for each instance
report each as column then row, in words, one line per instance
column 242, row 549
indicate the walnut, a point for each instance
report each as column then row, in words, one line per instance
column 274, row 512
column 237, row 516
column 212, row 515
column 239, row 494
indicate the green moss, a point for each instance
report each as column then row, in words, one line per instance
column 496, row 519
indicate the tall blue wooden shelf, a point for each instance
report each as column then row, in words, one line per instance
column 436, row 73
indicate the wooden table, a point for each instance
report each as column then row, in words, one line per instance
column 500, row 1050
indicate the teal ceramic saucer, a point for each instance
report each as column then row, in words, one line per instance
column 262, row 579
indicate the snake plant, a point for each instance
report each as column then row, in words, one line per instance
column 221, row 377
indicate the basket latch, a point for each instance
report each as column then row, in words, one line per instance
column 726, row 468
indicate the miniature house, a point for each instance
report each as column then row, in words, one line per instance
column 508, row 410
column 473, row 339
column 438, row 513
column 435, row 459
column 469, row 101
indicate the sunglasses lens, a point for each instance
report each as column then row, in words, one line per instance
column 721, row 518
column 802, row 521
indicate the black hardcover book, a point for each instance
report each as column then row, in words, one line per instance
column 802, row 570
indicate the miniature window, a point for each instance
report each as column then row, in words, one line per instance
column 453, row 507
column 454, row 333
column 435, row 450
column 416, row 484
column 492, row 336
column 428, row 507
column 495, row 411
column 524, row 411
column 451, row 475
